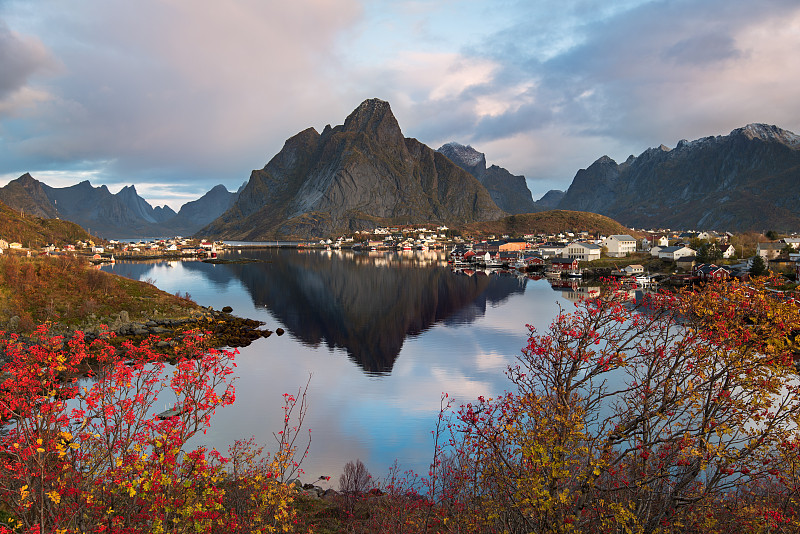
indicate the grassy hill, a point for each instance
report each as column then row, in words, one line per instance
column 35, row 232
column 68, row 291
column 547, row 222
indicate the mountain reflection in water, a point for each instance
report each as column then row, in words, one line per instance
column 344, row 301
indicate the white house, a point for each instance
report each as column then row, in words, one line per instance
column 582, row 251
column 769, row 251
column 793, row 242
column 728, row 251
column 631, row 270
column 550, row 250
column 655, row 250
column 619, row 245
column 675, row 253
column 662, row 241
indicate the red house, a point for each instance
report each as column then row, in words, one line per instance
column 564, row 264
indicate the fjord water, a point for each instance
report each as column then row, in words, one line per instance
column 382, row 336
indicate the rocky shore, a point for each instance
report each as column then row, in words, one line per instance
column 220, row 328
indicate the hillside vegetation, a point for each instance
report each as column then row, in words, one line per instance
column 35, row 232
column 547, row 222
column 68, row 291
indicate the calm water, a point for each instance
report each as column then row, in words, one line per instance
column 382, row 336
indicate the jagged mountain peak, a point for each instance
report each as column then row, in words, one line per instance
column 768, row 132
column 356, row 175
column 463, row 154
column 509, row 192
column 604, row 160
column 374, row 117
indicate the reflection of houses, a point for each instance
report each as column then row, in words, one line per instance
column 577, row 293
column 619, row 245
column 582, row 251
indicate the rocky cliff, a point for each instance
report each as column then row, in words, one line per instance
column 510, row 192
column 358, row 175
column 747, row 180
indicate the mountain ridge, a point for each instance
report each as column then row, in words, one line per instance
column 746, row 180
column 120, row 215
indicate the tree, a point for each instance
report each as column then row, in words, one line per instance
column 355, row 478
column 630, row 416
column 758, row 268
column 708, row 253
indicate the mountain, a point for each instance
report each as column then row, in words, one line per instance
column 27, row 195
column 550, row 200
column 747, row 180
column 358, row 175
column 122, row 215
column 510, row 192
column 141, row 208
column 198, row 213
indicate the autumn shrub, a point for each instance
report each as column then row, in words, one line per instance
column 91, row 455
column 645, row 416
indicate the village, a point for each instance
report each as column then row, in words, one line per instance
column 676, row 257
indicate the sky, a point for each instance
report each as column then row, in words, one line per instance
column 177, row 96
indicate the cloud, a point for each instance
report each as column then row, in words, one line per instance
column 617, row 80
column 198, row 85
column 201, row 93
column 21, row 57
